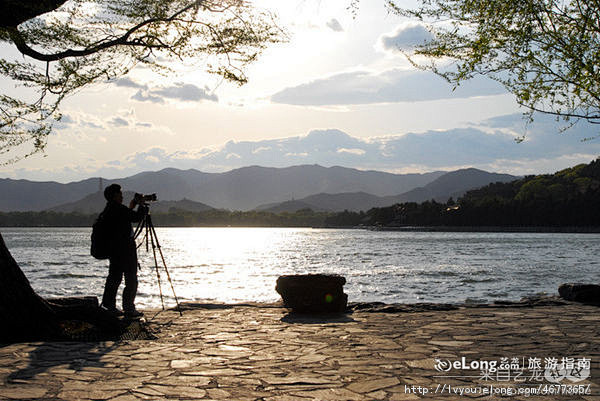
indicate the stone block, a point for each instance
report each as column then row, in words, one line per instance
column 584, row 293
column 313, row 293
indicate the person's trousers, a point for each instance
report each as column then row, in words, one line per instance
column 122, row 264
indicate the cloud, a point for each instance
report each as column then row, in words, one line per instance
column 119, row 122
column 179, row 91
column 67, row 120
column 261, row 149
column 145, row 96
column 149, row 158
column 127, row 82
column 490, row 146
column 334, row 25
column 396, row 85
column 352, row 151
column 406, row 37
column 78, row 120
column 84, row 121
column 185, row 92
column 91, row 124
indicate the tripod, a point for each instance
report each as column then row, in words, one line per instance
column 150, row 238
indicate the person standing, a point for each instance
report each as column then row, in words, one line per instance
column 122, row 256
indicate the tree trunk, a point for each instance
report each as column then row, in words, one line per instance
column 15, row 12
column 24, row 315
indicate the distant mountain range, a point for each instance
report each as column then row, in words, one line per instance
column 240, row 189
column 273, row 189
column 453, row 184
column 94, row 203
column 24, row 195
column 354, row 201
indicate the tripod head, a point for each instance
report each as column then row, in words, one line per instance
column 144, row 202
column 144, row 199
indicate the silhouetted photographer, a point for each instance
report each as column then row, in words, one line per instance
column 116, row 220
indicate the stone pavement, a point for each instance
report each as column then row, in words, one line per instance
column 241, row 353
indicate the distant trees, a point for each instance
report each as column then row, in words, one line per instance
column 179, row 218
column 569, row 197
column 346, row 219
column 45, row 219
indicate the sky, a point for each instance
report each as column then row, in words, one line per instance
column 338, row 92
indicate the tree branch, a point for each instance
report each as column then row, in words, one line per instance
column 122, row 40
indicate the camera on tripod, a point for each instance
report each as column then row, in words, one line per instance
column 140, row 198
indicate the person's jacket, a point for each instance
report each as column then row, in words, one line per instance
column 118, row 219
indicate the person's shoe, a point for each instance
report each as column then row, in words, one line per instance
column 132, row 314
column 113, row 311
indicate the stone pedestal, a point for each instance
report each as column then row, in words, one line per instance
column 313, row 293
column 585, row 293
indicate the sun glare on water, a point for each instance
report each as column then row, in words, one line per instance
column 228, row 264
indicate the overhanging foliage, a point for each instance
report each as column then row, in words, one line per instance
column 67, row 45
column 545, row 52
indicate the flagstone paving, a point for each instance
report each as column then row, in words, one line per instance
column 265, row 353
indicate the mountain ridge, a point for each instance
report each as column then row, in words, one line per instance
column 94, row 203
column 239, row 189
column 450, row 185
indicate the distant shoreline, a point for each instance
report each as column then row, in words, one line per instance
column 450, row 229
column 491, row 229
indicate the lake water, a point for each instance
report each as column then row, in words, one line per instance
column 242, row 264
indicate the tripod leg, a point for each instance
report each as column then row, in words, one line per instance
column 138, row 231
column 139, row 228
column 166, row 270
column 170, row 282
column 148, row 232
column 162, row 301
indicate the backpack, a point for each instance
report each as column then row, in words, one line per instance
column 100, row 248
